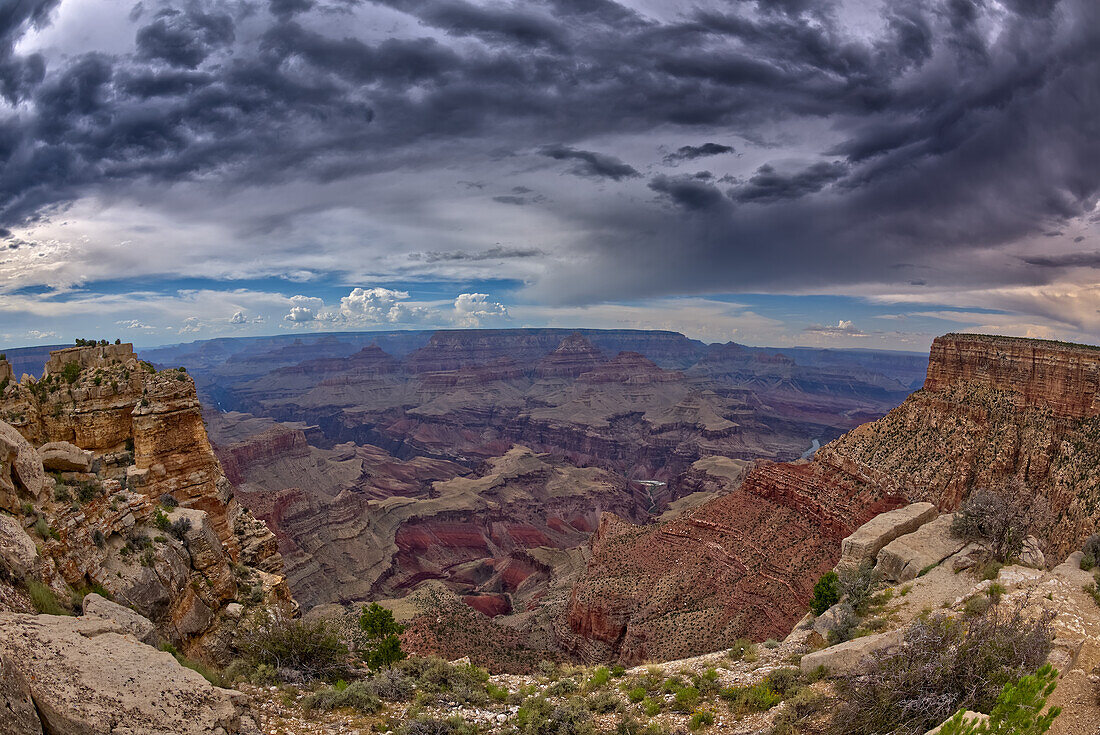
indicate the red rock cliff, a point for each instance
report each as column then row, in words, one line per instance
column 1064, row 378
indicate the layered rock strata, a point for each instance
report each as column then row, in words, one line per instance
column 1011, row 415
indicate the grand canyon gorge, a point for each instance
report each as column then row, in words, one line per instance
column 528, row 498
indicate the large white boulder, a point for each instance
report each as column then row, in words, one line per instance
column 87, row 676
column 64, row 457
column 138, row 626
column 869, row 539
column 906, row 557
column 18, row 554
column 844, row 658
column 23, row 469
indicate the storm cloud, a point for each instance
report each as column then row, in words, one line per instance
column 878, row 145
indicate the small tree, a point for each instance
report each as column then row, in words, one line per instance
column 1017, row 711
column 826, row 592
column 1001, row 522
column 381, row 631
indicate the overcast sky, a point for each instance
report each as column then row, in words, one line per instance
column 778, row 172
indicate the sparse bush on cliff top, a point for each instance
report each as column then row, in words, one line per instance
column 312, row 648
column 942, row 664
column 999, row 521
column 1091, row 552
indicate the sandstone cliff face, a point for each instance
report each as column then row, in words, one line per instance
column 1037, row 374
column 1011, row 415
column 100, row 517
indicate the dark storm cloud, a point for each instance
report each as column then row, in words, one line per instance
column 768, row 185
column 956, row 127
column 184, row 39
column 690, row 192
column 1069, row 260
column 591, row 164
column 691, row 152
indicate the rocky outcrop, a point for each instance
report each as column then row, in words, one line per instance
column 1050, row 376
column 22, row 478
column 123, row 439
column 64, row 457
column 18, row 553
column 844, row 658
column 864, row 545
column 745, row 563
column 136, row 625
column 911, row 555
column 89, row 675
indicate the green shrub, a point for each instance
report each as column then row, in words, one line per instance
column 380, row 645
column 771, row 644
column 599, row 678
column 826, row 593
column 742, row 649
column 701, row 719
column 393, row 685
column 313, row 648
column 538, row 716
column 44, row 600
column 636, row 694
column 1091, row 549
column 796, row 709
column 355, row 697
column 941, row 665
column 651, row 706
column 70, row 372
column 1018, row 708
column 756, row 698
column 618, row 671
column 497, row 694
column 603, row 701
column 686, row 699
column 462, row 683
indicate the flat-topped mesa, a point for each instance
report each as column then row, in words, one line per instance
column 1059, row 376
column 95, row 356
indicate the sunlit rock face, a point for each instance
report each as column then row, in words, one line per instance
column 125, row 444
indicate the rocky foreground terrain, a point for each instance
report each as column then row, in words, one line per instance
column 109, row 483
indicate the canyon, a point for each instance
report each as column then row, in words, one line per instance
column 1013, row 415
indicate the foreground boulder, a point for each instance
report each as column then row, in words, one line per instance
column 845, row 657
column 64, row 457
column 907, row 557
column 87, row 676
column 136, row 625
column 21, row 474
column 18, row 554
column 869, row 539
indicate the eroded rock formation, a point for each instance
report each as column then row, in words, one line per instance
column 1011, row 415
column 126, row 445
